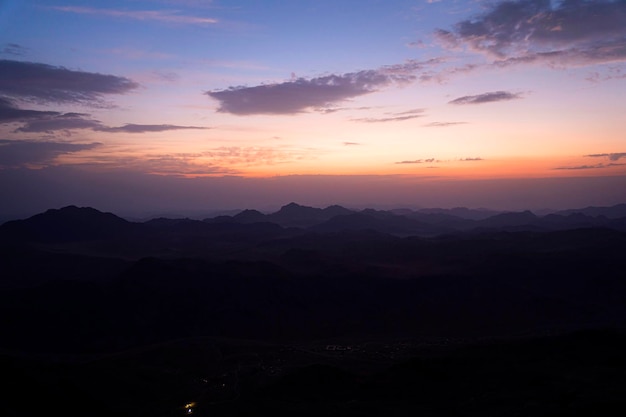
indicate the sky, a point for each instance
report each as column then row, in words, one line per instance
column 141, row 106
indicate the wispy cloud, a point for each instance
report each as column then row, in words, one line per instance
column 393, row 116
column 19, row 153
column 9, row 112
column 596, row 166
column 443, row 124
column 417, row 161
column 215, row 161
column 138, row 128
column 299, row 95
column 47, row 83
column 256, row 155
column 570, row 32
column 178, row 165
column 73, row 121
column 13, row 49
column 433, row 160
column 144, row 15
column 387, row 119
column 610, row 156
column 487, row 98
column 37, row 121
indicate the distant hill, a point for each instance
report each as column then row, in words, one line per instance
column 290, row 215
column 66, row 224
column 462, row 212
column 613, row 212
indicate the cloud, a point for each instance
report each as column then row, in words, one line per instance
column 178, row 165
column 351, row 143
column 143, row 15
column 9, row 112
column 387, row 119
column 17, row 153
column 255, row 155
column 597, row 166
column 443, row 124
column 393, row 116
column 418, row 161
column 471, row 159
column 135, row 128
column 71, row 121
column 13, row 49
column 47, row 83
column 67, row 121
column 572, row 32
column 487, row 98
column 298, row 95
column 215, row 161
column 611, row 156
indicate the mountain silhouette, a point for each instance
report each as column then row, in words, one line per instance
column 613, row 212
column 69, row 223
column 311, row 311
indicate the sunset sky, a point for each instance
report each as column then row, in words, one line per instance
column 143, row 106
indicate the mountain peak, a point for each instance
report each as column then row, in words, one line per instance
column 293, row 206
column 68, row 223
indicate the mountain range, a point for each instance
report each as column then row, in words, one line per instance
column 312, row 304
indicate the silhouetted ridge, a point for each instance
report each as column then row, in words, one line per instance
column 379, row 221
column 462, row 212
column 295, row 215
column 250, row 216
column 613, row 212
column 509, row 219
column 66, row 224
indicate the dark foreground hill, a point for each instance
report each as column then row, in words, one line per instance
column 313, row 312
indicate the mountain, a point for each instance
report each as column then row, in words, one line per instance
column 613, row 212
column 69, row 223
column 295, row 215
column 462, row 212
column 311, row 311
column 379, row 221
column 250, row 216
column 513, row 219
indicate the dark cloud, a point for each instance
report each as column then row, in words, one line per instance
column 298, row 95
column 9, row 112
column 295, row 96
column 611, row 156
column 17, row 153
column 572, row 32
column 50, row 122
column 444, row 124
column 47, row 83
column 13, row 49
column 67, row 121
column 486, row 98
